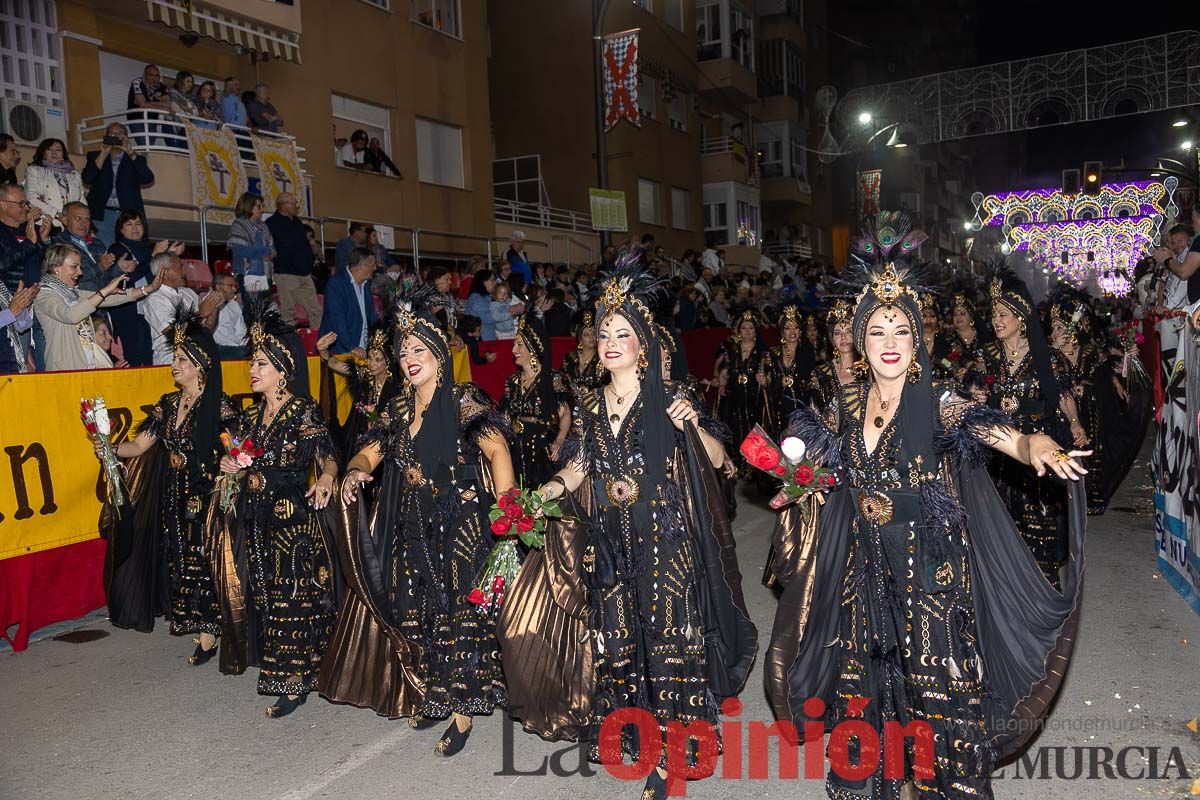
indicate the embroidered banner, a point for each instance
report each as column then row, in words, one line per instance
column 621, row 79
column 218, row 174
column 279, row 171
column 868, row 192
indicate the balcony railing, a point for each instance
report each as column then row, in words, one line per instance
column 159, row 132
column 788, row 249
column 540, row 216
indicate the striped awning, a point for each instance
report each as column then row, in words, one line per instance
column 216, row 24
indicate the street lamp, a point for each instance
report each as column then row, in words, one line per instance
column 1186, row 145
column 1179, row 123
column 864, row 118
column 967, row 225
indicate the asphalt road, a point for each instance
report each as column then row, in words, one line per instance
column 123, row 716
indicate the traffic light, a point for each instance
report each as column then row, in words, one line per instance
column 1092, row 175
column 1070, row 181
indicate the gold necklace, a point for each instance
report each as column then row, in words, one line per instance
column 883, row 406
column 620, row 398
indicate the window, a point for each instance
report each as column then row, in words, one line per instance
column 439, row 153
column 681, row 209
column 440, row 15
column 793, row 63
column 708, row 32
column 677, row 111
column 741, row 37
column 29, row 57
column 519, row 180
column 716, row 224
column 674, row 14
column 350, row 115
column 649, row 202
column 747, row 224
column 769, row 142
column 647, row 95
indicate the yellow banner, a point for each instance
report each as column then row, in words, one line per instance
column 218, row 175
column 50, row 485
column 279, row 171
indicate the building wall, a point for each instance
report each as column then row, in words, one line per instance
column 542, row 101
column 354, row 49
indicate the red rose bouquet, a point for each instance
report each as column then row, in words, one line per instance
column 244, row 452
column 95, row 420
column 801, row 477
column 518, row 515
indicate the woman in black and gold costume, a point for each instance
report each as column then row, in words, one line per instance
column 742, row 370
column 156, row 562
column 536, row 404
column 667, row 625
column 840, row 369
column 888, row 614
column 408, row 643
column 934, row 338
column 373, row 384
column 272, row 563
column 958, row 349
column 581, row 366
column 792, row 363
column 1027, row 380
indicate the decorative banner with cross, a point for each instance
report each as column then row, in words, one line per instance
column 869, row 181
column 279, row 171
column 218, row 174
column 620, row 55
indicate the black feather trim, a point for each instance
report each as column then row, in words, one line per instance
column 967, row 442
column 716, row 429
column 487, row 423
column 821, row 443
column 941, row 509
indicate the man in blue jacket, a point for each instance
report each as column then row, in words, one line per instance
column 349, row 308
column 115, row 175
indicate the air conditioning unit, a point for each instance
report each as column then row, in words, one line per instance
column 29, row 123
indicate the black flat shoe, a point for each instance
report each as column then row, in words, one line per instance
column 285, row 705
column 656, row 787
column 421, row 723
column 201, row 656
column 452, row 741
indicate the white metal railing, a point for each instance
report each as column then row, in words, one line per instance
column 160, row 132
column 788, row 249
column 540, row 216
column 718, row 144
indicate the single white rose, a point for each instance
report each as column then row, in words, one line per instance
column 793, row 448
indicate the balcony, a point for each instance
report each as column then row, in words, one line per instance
column 727, row 159
column 793, row 249
column 725, row 50
column 781, row 189
column 780, row 69
column 728, row 78
column 782, row 19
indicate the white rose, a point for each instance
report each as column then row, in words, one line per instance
column 793, row 448
column 103, row 425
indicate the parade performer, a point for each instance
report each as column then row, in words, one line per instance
column 408, row 641
column 840, row 369
column 270, row 558
column 909, row 597
column 667, row 626
column 959, row 349
column 1028, row 381
column 536, row 403
column 792, row 363
column 373, row 384
column 156, row 561
column 742, row 367
column 581, row 366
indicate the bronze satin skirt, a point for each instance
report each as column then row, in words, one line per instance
column 542, row 630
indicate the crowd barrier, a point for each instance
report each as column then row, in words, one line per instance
column 51, row 559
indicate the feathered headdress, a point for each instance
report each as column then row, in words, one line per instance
column 435, row 445
column 280, row 343
column 189, row 335
column 841, row 312
column 1072, row 308
column 628, row 286
column 1006, row 288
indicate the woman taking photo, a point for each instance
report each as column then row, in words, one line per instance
column 581, row 366
column 840, row 369
column 408, row 643
column 666, row 621
column 65, row 312
column 1028, row 381
column 792, row 364
column 741, row 369
column 269, row 556
column 51, row 180
column 535, row 403
column 373, row 384
column 172, row 466
column 128, row 323
column 887, row 615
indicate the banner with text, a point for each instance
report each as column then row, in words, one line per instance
column 50, row 486
column 609, row 212
column 279, row 171
column 218, row 174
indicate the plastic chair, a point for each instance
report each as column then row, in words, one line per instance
column 222, row 266
column 196, row 273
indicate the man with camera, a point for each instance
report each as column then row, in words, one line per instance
column 115, row 175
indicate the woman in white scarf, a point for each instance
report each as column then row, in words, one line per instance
column 64, row 311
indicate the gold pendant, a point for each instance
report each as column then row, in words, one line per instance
column 879, row 422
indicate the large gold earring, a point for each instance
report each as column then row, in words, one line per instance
column 1024, row 328
column 534, row 364
column 861, row 368
column 281, row 389
column 914, row 371
column 642, row 363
